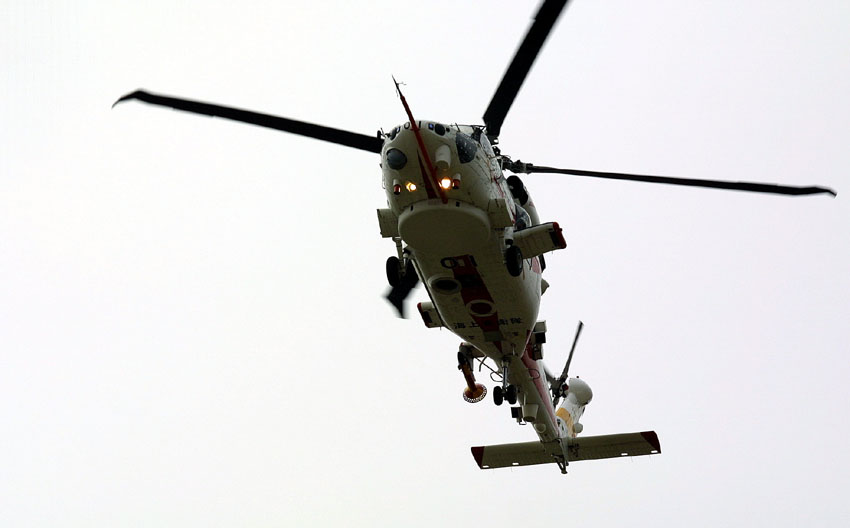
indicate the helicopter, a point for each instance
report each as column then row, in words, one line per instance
column 473, row 237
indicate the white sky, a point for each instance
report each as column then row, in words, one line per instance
column 191, row 324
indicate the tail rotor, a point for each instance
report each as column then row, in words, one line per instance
column 557, row 385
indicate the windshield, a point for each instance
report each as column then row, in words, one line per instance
column 466, row 147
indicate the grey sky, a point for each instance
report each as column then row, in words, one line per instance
column 191, row 324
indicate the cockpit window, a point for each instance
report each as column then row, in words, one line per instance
column 466, row 147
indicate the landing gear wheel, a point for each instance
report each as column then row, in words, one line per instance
column 393, row 268
column 510, row 394
column 498, row 395
column 513, row 261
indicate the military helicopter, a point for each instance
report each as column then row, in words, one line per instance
column 472, row 235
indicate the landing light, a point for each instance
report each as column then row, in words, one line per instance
column 411, row 186
column 446, row 183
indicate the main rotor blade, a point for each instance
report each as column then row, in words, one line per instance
column 333, row 135
column 771, row 188
column 514, row 76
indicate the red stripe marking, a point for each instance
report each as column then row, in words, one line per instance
column 473, row 289
column 558, row 237
column 535, row 265
column 426, row 318
column 478, row 454
column 432, row 171
column 538, row 383
column 429, row 189
column 652, row 438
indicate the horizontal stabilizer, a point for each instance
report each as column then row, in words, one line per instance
column 583, row 448
column 614, row 446
column 507, row 455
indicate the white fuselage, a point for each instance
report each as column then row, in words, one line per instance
column 456, row 222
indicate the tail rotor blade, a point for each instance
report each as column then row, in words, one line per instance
column 302, row 128
column 556, row 384
column 566, row 371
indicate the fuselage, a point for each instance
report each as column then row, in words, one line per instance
column 456, row 215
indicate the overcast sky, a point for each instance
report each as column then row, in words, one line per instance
column 191, row 324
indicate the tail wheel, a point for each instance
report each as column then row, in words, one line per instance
column 498, row 395
column 392, row 271
column 513, row 261
column 510, row 394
